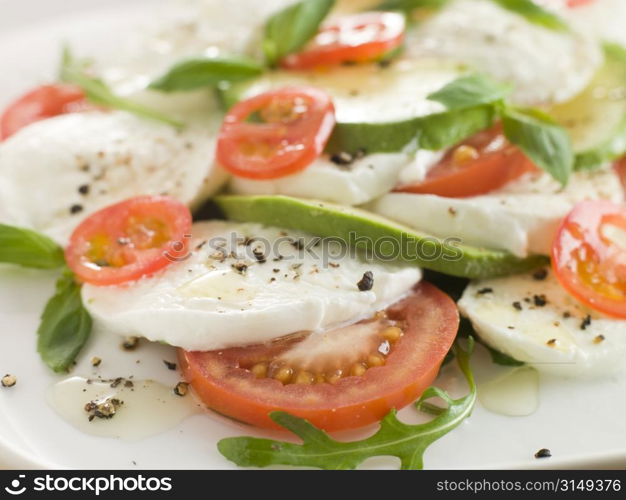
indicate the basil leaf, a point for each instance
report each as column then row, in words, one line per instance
column 393, row 438
column 65, row 325
column 545, row 142
column 434, row 132
column 99, row 93
column 28, row 248
column 534, row 13
column 206, row 72
column 443, row 130
column 409, row 5
column 469, row 91
column 528, row 9
column 290, row 29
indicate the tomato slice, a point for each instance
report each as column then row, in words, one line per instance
column 364, row 37
column 276, row 133
column 41, row 103
column 620, row 169
column 579, row 3
column 482, row 163
column 589, row 256
column 346, row 378
column 128, row 240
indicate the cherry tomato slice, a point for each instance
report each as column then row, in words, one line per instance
column 589, row 256
column 482, row 163
column 129, row 240
column 41, row 103
column 276, row 133
column 353, row 39
column 374, row 366
column 579, row 3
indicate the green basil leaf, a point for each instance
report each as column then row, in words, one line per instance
column 528, row 9
column 28, row 248
column 433, row 132
column 409, row 5
column 393, row 438
column 100, row 94
column 206, row 72
column 290, row 29
column 65, row 325
column 443, row 130
column 469, row 91
column 534, row 13
column 545, row 142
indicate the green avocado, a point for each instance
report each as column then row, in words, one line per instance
column 596, row 119
column 378, row 237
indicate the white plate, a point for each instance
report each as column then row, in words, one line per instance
column 582, row 422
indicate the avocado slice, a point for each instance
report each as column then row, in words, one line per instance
column 376, row 235
column 596, row 119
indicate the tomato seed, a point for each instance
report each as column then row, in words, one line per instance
column 283, row 374
column 391, row 333
column 304, row 378
column 259, row 370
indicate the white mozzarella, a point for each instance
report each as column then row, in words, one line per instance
column 521, row 217
column 605, row 19
column 354, row 184
column 183, row 29
column 544, row 65
column 210, row 301
column 369, row 93
column 55, row 172
column 562, row 336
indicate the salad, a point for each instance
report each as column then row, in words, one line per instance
column 321, row 203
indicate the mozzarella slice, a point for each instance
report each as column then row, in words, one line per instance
column 559, row 336
column 521, row 218
column 183, row 29
column 57, row 171
column 354, row 184
column 244, row 284
column 544, row 65
column 604, row 19
column 359, row 182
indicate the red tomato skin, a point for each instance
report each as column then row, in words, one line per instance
column 490, row 171
column 585, row 221
column 352, row 402
column 319, row 54
column 43, row 102
column 110, row 221
column 579, row 3
column 302, row 142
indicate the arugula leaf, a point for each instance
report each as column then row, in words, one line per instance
column 534, row 13
column 65, row 325
column 545, row 142
column 466, row 330
column 469, row 91
column 28, row 248
column 499, row 358
column 205, row 72
column 394, row 438
column 290, row 29
column 99, row 93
